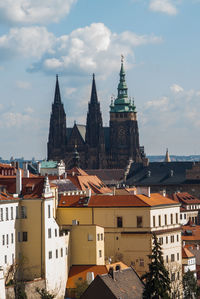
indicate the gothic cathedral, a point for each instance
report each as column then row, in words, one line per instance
column 98, row 147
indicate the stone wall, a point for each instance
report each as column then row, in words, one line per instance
column 30, row 289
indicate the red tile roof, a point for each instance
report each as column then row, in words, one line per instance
column 156, row 199
column 80, row 272
column 185, row 198
column 83, row 181
column 186, row 253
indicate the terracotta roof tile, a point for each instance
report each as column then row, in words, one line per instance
column 186, row 253
column 116, row 201
column 80, row 272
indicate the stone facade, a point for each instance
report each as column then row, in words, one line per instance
column 98, row 147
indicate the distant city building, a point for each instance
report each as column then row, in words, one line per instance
column 98, row 146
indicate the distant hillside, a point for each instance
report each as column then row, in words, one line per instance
column 174, row 158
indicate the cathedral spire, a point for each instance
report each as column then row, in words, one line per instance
column 93, row 98
column 57, row 97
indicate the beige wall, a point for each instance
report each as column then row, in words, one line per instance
column 85, row 245
column 30, row 251
column 130, row 243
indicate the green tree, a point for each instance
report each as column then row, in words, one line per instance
column 157, row 282
column 81, row 286
column 190, row 287
column 44, row 294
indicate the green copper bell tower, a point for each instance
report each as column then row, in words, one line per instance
column 124, row 134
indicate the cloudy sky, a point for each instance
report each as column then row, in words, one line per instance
column 74, row 38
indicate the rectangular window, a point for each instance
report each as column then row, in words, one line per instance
column 165, row 219
column 1, row 214
column 139, row 221
column 24, row 236
column 98, row 237
column 23, row 212
column 141, row 262
column 61, row 252
column 161, row 241
column 50, row 255
column 181, row 216
column 7, row 239
column 119, row 222
column 11, row 213
column 56, row 233
column 49, row 211
column 13, row 258
column 19, row 237
column 184, row 216
column 5, row 259
column 177, row 238
column 171, row 218
column 172, row 258
column 101, row 237
column 90, row 237
column 6, row 213
column 172, row 239
column 177, row 218
column 56, row 253
column 66, row 251
column 12, row 238
column 167, row 259
column 159, row 220
column 166, row 240
column 3, row 239
column 17, row 212
column 173, row 277
column 100, row 253
column 177, row 256
column 154, row 221
column 49, row 233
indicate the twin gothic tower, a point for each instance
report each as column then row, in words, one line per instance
column 98, row 147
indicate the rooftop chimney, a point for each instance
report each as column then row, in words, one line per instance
column 111, row 272
column 19, row 181
column 144, row 190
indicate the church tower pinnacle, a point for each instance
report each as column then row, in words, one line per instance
column 124, row 134
column 94, row 127
column 57, row 128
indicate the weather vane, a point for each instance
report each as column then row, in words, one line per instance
column 122, row 58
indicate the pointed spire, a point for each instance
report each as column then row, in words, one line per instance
column 167, row 157
column 93, row 98
column 122, row 87
column 57, row 97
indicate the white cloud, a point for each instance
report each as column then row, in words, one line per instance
column 70, row 90
column 176, row 88
column 90, row 49
column 164, row 6
column 29, row 110
column 15, row 120
column 23, row 84
column 26, row 41
column 34, row 11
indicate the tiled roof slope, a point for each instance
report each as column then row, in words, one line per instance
column 78, row 272
column 186, row 253
column 156, row 199
column 108, row 176
column 36, row 183
column 125, row 285
column 185, row 198
column 158, row 173
column 84, row 181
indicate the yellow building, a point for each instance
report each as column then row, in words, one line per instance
column 87, row 244
column 129, row 222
